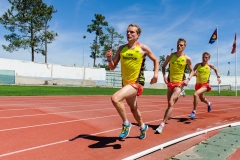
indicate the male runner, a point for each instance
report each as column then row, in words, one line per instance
column 132, row 56
column 202, row 85
column 178, row 61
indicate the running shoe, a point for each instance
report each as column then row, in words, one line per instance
column 143, row 131
column 209, row 107
column 159, row 129
column 183, row 93
column 125, row 130
column 192, row 115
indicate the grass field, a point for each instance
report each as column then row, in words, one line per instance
column 14, row 90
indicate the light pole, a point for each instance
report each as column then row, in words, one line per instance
column 83, row 50
column 171, row 50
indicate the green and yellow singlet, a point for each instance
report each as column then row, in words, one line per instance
column 132, row 64
column 177, row 68
column 203, row 73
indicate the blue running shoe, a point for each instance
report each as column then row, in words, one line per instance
column 125, row 131
column 192, row 115
column 143, row 131
column 209, row 107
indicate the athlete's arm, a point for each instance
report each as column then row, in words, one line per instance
column 164, row 68
column 112, row 63
column 216, row 71
column 148, row 52
column 189, row 64
column 195, row 68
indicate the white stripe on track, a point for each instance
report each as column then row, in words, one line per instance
column 53, row 113
column 59, row 142
column 49, row 144
column 48, row 124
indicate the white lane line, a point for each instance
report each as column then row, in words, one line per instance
column 128, row 158
column 161, row 146
column 28, row 149
column 44, row 107
column 48, row 124
column 51, row 144
column 53, row 113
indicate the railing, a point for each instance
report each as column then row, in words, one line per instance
column 113, row 79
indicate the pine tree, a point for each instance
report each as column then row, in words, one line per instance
column 27, row 21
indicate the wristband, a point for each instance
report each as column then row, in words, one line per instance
column 109, row 60
column 218, row 76
column 189, row 79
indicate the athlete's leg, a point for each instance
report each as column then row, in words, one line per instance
column 198, row 95
column 118, row 97
column 204, row 100
column 172, row 97
column 132, row 102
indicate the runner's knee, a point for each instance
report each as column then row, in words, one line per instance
column 115, row 99
column 202, row 99
column 195, row 95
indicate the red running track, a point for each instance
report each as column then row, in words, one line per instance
column 87, row 127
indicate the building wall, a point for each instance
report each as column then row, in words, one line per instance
column 31, row 73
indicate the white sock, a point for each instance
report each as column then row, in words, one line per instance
column 126, row 122
column 143, row 125
column 162, row 124
column 194, row 111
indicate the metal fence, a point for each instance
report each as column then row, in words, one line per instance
column 7, row 77
column 113, row 79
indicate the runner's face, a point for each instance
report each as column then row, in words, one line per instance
column 181, row 46
column 205, row 58
column 132, row 34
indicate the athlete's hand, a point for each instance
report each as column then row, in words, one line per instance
column 153, row 80
column 109, row 54
column 185, row 82
column 219, row 80
column 165, row 78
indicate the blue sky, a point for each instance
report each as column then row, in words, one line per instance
column 162, row 23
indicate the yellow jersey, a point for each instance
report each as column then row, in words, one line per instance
column 203, row 73
column 132, row 65
column 177, row 66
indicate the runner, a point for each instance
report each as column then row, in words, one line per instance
column 202, row 85
column 132, row 56
column 178, row 61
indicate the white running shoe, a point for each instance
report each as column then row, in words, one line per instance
column 159, row 129
column 183, row 93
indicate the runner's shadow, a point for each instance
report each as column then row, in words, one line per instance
column 154, row 127
column 102, row 142
column 184, row 120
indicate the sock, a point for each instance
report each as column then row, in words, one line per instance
column 209, row 103
column 126, row 122
column 142, row 127
column 162, row 124
column 195, row 111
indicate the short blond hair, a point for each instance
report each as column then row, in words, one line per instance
column 209, row 55
column 138, row 28
column 182, row 40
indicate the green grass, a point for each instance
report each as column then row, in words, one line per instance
column 14, row 90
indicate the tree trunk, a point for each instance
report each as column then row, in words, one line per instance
column 94, row 56
column 32, row 44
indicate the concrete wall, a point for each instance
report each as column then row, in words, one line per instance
column 226, row 81
column 31, row 73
